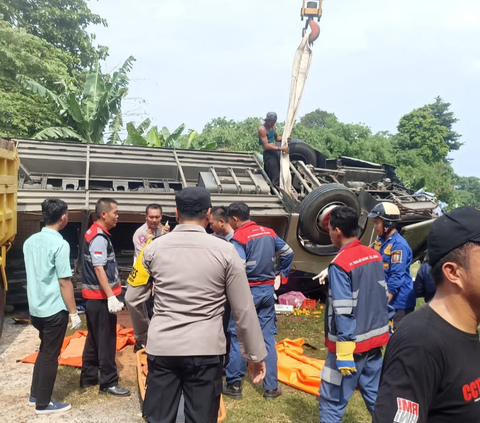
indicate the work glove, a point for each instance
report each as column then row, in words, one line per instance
column 114, row 306
column 345, row 361
column 322, row 276
column 390, row 326
column 75, row 321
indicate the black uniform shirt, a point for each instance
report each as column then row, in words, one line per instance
column 431, row 373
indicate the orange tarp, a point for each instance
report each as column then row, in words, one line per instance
column 72, row 347
column 297, row 370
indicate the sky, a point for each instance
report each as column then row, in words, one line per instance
column 374, row 61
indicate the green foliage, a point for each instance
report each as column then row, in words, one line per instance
column 439, row 109
column 154, row 138
column 62, row 23
column 318, row 119
column 468, row 190
column 23, row 114
column 88, row 111
column 421, row 132
column 230, row 135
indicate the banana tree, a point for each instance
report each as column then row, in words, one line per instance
column 154, row 138
column 87, row 111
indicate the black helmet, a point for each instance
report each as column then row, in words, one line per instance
column 388, row 212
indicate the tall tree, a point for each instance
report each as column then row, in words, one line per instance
column 62, row 23
column 23, row 114
column 439, row 109
column 88, row 111
column 317, row 119
column 420, row 131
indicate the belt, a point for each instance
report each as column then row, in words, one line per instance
column 255, row 283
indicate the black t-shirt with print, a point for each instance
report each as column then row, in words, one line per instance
column 430, row 374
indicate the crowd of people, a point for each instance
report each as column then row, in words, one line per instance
column 204, row 304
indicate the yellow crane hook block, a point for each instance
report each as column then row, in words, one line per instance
column 313, row 9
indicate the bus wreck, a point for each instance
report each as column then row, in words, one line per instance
column 80, row 174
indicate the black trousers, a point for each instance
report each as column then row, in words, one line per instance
column 228, row 336
column 51, row 332
column 399, row 315
column 100, row 346
column 271, row 160
column 198, row 377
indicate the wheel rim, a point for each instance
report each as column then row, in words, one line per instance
column 323, row 216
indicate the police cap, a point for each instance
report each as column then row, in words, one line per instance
column 193, row 199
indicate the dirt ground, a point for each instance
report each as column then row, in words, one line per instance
column 87, row 405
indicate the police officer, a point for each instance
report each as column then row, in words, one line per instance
column 356, row 326
column 193, row 274
column 150, row 229
column 138, row 296
column 397, row 258
column 267, row 136
column 258, row 246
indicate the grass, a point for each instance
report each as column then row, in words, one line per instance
column 294, row 406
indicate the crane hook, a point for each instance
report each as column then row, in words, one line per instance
column 314, row 30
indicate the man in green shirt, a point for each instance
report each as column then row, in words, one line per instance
column 50, row 300
column 267, row 138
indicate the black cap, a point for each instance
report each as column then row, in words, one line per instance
column 193, row 199
column 271, row 116
column 452, row 230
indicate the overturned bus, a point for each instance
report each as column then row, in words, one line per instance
column 80, row 174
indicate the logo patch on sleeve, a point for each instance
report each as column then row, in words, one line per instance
column 407, row 411
column 142, row 239
column 397, row 256
column 388, row 250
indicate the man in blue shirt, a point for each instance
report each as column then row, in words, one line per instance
column 50, row 299
column 424, row 285
column 397, row 258
column 260, row 248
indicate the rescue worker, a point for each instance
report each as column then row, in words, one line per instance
column 397, row 258
column 431, row 370
column 258, row 246
column 139, row 297
column 193, row 273
column 50, row 300
column 222, row 229
column 267, row 136
column 356, row 326
column 424, row 284
column 101, row 285
column 219, row 223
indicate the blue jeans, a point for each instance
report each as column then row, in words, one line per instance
column 264, row 300
column 336, row 390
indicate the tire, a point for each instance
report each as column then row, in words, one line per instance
column 318, row 205
column 3, row 298
column 301, row 151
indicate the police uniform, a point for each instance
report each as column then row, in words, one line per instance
column 397, row 258
column 258, row 246
column 193, row 274
column 357, row 314
column 138, row 295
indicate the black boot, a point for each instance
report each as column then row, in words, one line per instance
column 233, row 390
column 272, row 394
